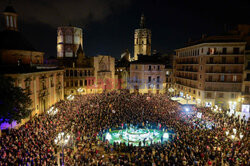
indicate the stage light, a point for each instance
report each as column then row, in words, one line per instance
column 186, row 109
column 165, row 135
column 108, row 136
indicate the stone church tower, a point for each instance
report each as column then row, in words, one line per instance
column 142, row 40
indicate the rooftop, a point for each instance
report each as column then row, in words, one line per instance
column 25, row 69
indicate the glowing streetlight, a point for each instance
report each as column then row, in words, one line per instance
column 232, row 136
column 227, row 132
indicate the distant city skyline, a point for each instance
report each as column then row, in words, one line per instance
column 108, row 26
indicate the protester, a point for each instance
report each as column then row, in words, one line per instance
column 196, row 141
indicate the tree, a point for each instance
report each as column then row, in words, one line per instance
column 14, row 101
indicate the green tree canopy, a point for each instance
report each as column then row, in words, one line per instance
column 14, row 101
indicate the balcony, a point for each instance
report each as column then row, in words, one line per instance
column 222, row 82
column 224, row 63
column 182, row 77
column 190, row 86
column 187, row 70
column 223, row 72
column 226, row 54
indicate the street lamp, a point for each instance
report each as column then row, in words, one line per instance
column 62, row 139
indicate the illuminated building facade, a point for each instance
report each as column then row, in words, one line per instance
column 142, row 40
column 68, row 41
column 147, row 75
column 21, row 61
column 211, row 72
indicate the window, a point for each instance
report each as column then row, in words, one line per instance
column 224, row 51
column 81, row 83
column 51, row 82
column 67, row 84
column 211, row 60
column 71, row 83
column 7, row 21
column 11, row 21
column 232, row 95
column 236, row 60
column 85, row 82
column 149, row 79
column 222, row 78
column 68, row 39
column 209, row 95
column 68, row 54
column 201, row 67
column 157, row 86
column 75, row 73
column 158, row 67
column 234, row 78
column 71, row 73
column 149, row 67
column 224, row 60
column 193, row 91
column 199, row 93
column 221, row 95
column 236, row 50
column 136, row 67
column 247, row 89
column 67, row 73
column 158, row 78
column 77, row 40
column 200, row 76
column 210, row 78
column 223, row 69
column 80, row 73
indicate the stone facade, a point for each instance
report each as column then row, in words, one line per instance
column 210, row 73
column 147, row 78
column 142, row 40
column 45, row 88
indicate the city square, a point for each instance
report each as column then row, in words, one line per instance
column 128, row 82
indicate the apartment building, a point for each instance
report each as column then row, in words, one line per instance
column 211, row 72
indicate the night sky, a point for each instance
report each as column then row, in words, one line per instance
column 109, row 25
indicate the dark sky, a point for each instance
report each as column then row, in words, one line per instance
column 108, row 25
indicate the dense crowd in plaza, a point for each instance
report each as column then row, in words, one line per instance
column 192, row 143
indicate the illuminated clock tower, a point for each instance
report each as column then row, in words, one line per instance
column 142, row 40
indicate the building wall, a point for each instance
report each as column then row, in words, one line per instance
column 26, row 57
column 76, row 78
column 143, row 78
column 94, row 79
column 44, row 88
column 210, row 72
column 68, row 41
column 142, row 42
column 104, row 72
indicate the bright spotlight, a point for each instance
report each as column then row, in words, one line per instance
column 186, row 109
column 108, row 136
column 165, row 135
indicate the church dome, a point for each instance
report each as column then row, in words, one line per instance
column 14, row 40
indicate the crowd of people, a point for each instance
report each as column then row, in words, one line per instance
column 85, row 116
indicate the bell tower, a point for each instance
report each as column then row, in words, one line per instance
column 10, row 17
column 142, row 40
